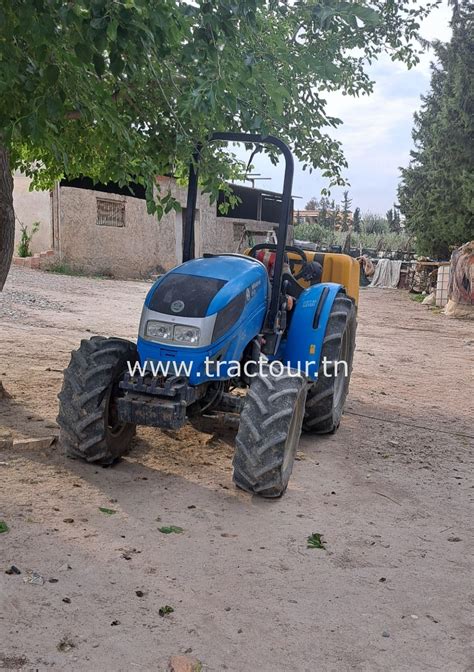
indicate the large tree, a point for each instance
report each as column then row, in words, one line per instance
column 393, row 218
column 124, row 90
column 312, row 204
column 374, row 223
column 436, row 193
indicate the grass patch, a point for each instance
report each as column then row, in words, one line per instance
column 315, row 541
column 417, row 297
column 171, row 529
column 61, row 268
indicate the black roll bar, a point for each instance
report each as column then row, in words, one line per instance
column 188, row 234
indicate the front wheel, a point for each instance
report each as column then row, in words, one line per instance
column 269, row 432
column 88, row 419
column 327, row 396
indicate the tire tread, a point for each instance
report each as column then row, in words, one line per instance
column 82, row 404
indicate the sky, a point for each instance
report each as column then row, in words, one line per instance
column 376, row 133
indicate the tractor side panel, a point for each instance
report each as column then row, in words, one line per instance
column 303, row 346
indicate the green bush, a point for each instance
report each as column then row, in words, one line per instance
column 372, row 223
column 388, row 241
column 312, row 232
column 25, row 239
column 63, row 269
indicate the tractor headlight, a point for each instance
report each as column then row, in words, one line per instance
column 165, row 332
column 161, row 331
column 189, row 335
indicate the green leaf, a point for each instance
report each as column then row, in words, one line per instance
column 171, row 529
column 98, row 22
column 166, row 609
column 366, row 14
column 107, row 511
column 51, row 73
column 83, row 52
column 315, row 541
column 3, row 526
column 99, row 64
column 323, row 13
column 112, row 30
column 116, row 64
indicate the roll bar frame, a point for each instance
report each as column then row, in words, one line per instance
column 273, row 321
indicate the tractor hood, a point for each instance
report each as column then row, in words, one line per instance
column 204, row 300
column 203, row 287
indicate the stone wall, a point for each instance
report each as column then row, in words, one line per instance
column 30, row 207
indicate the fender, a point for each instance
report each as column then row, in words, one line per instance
column 306, row 333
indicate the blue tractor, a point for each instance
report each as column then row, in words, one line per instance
column 257, row 335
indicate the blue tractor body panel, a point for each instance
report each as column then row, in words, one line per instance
column 243, row 284
column 303, row 345
column 244, row 281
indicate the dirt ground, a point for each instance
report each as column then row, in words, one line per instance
column 390, row 492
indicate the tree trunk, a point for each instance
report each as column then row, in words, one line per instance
column 7, row 216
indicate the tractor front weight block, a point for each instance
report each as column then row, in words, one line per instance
column 146, row 402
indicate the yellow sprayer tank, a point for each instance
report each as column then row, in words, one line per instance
column 340, row 268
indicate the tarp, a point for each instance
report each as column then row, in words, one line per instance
column 367, row 265
column 461, row 282
column 387, row 274
column 461, row 279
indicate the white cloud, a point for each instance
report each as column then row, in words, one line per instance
column 370, row 122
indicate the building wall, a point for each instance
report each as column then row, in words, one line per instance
column 143, row 246
column 137, row 249
column 30, row 207
column 140, row 248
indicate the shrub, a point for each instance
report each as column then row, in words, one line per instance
column 25, row 239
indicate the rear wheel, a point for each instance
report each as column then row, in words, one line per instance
column 327, row 396
column 89, row 425
column 269, row 432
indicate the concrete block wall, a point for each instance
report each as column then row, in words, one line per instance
column 40, row 260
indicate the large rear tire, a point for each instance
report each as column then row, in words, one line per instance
column 89, row 425
column 327, row 396
column 268, row 435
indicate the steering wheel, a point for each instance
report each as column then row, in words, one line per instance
column 288, row 248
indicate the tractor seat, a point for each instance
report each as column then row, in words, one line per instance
column 268, row 260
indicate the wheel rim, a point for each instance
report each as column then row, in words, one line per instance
column 113, row 425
